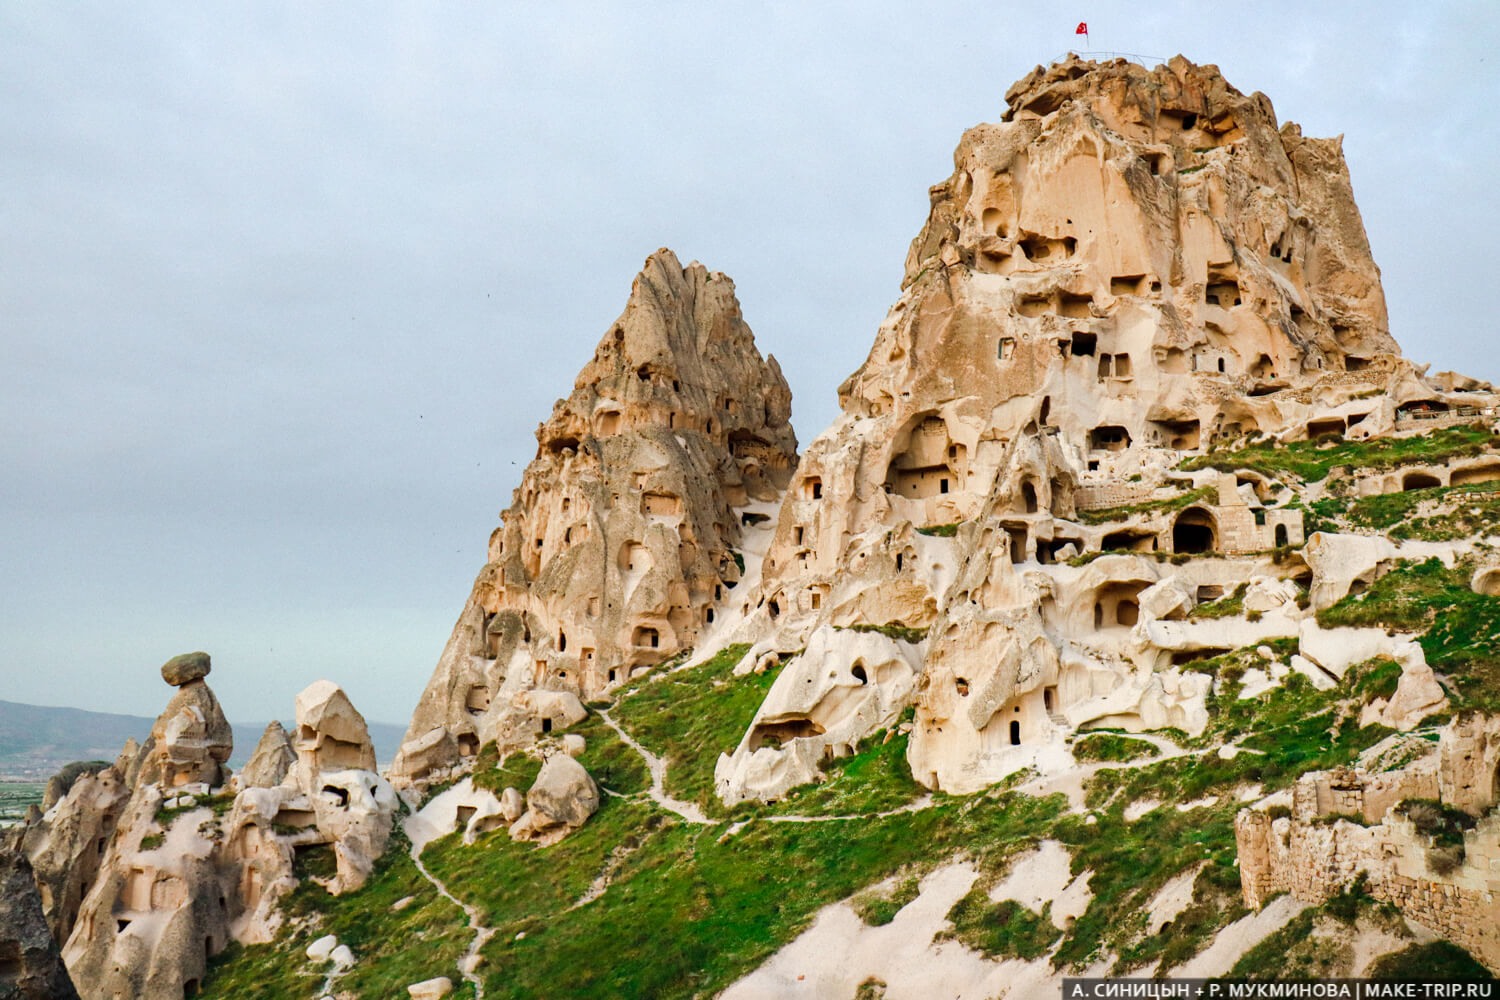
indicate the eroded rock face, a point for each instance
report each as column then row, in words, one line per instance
column 150, row 866
column 1131, row 267
column 30, row 966
column 561, row 800
column 191, row 740
column 273, row 758
column 843, row 687
column 621, row 535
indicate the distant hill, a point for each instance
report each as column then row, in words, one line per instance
column 36, row 740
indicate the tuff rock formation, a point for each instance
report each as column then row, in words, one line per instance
column 30, row 966
column 150, row 866
column 622, row 535
column 1133, row 267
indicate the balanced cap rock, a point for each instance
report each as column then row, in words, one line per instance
column 185, row 669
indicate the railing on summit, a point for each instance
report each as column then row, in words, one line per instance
column 1101, row 56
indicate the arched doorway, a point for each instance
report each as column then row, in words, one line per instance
column 1195, row 531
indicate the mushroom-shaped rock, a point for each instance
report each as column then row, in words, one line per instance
column 331, row 734
column 272, row 759
column 561, row 800
column 185, row 669
column 191, row 740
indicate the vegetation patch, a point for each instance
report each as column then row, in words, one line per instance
column 1230, row 606
column 1311, row 461
column 393, row 948
column 1001, row 930
column 1461, row 512
column 1122, row 512
column 876, row 778
column 1436, row 962
column 940, row 530
column 878, row 909
column 1109, row 746
column 1462, row 628
column 730, row 900
column 688, row 717
column 899, row 631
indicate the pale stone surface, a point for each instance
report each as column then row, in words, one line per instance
column 843, row 687
column 562, row 799
column 618, row 544
column 273, row 758
column 1314, row 856
column 431, row 989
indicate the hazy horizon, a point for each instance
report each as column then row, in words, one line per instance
column 290, row 286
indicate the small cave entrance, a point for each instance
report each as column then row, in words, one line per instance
column 468, row 744
column 777, row 734
column 1183, row 435
column 463, row 815
column 1015, row 733
column 1476, row 474
column 858, row 672
column 1109, row 437
column 1129, row 541
column 1194, row 531
column 1028, row 496
column 340, row 795
column 1326, row 425
column 477, row 701
column 1419, row 481
column 1017, row 545
column 1118, row 604
column 925, row 461
column 1049, row 699
column 1281, row 536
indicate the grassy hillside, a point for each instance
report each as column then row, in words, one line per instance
column 641, row 902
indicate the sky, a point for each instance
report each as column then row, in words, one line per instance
column 287, row 287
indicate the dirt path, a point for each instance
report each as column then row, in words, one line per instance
column 658, row 768
column 482, row 934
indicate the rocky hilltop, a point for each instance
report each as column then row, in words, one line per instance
column 1137, row 615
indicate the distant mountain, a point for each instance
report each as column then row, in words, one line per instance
column 36, row 740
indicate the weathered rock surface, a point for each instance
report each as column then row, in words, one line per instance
column 186, row 668
column 562, row 799
column 273, row 758
column 30, row 966
column 1132, row 267
column 620, row 538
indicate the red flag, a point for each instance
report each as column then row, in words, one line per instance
column 1082, row 29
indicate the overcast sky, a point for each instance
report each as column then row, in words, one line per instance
column 286, row 289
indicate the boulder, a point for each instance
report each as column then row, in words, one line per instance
column 562, row 799
column 185, row 669
column 431, row 989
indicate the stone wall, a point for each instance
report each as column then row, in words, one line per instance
column 1313, row 854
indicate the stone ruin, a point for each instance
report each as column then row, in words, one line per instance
column 1350, row 824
